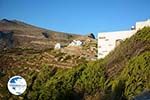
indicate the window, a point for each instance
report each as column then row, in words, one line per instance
column 106, row 39
column 100, row 54
column 109, row 44
column 102, row 37
column 99, row 46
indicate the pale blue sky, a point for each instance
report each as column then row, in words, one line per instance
column 77, row 16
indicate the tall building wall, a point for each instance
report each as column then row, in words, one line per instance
column 107, row 41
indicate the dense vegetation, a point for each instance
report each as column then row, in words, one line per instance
column 122, row 75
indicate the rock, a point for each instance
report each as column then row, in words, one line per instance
column 46, row 35
column 6, row 39
column 91, row 35
column 143, row 96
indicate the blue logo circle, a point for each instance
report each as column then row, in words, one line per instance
column 17, row 85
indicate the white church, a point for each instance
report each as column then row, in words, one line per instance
column 107, row 41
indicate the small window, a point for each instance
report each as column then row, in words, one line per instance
column 109, row 44
column 104, row 51
column 106, row 39
column 102, row 37
column 100, row 54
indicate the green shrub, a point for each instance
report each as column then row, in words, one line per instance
column 129, row 63
column 43, row 76
column 92, row 78
column 60, row 87
column 137, row 75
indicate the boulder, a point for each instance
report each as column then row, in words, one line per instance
column 91, row 35
column 143, row 96
column 45, row 34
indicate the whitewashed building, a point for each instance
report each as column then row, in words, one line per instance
column 75, row 43
column 57, row 46
column 107, row 41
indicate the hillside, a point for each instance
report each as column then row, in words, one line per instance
column 23, row 35
column 122, row 75
column 25, row 48
column 16, row 35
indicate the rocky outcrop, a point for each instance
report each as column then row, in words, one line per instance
column 46, row 35
column 143, row 96
column 6, row 39
column 91, row 35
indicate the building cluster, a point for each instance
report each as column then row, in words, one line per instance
column 74, row 43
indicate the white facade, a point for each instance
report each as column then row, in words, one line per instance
column 107, row 41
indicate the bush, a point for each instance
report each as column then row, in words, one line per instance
column 60, row 87
column 137, row 75
column 43, row 76
column 92, row 78
column 128, row 65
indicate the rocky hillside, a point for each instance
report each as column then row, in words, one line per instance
column 26, row 49
column 122, row 75
column 66, row 74
column 19, row 34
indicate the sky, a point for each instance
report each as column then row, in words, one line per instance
column 77, row 16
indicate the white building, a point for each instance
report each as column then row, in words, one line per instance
column 57, row 46
column 107, row 41
column 75, row 43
